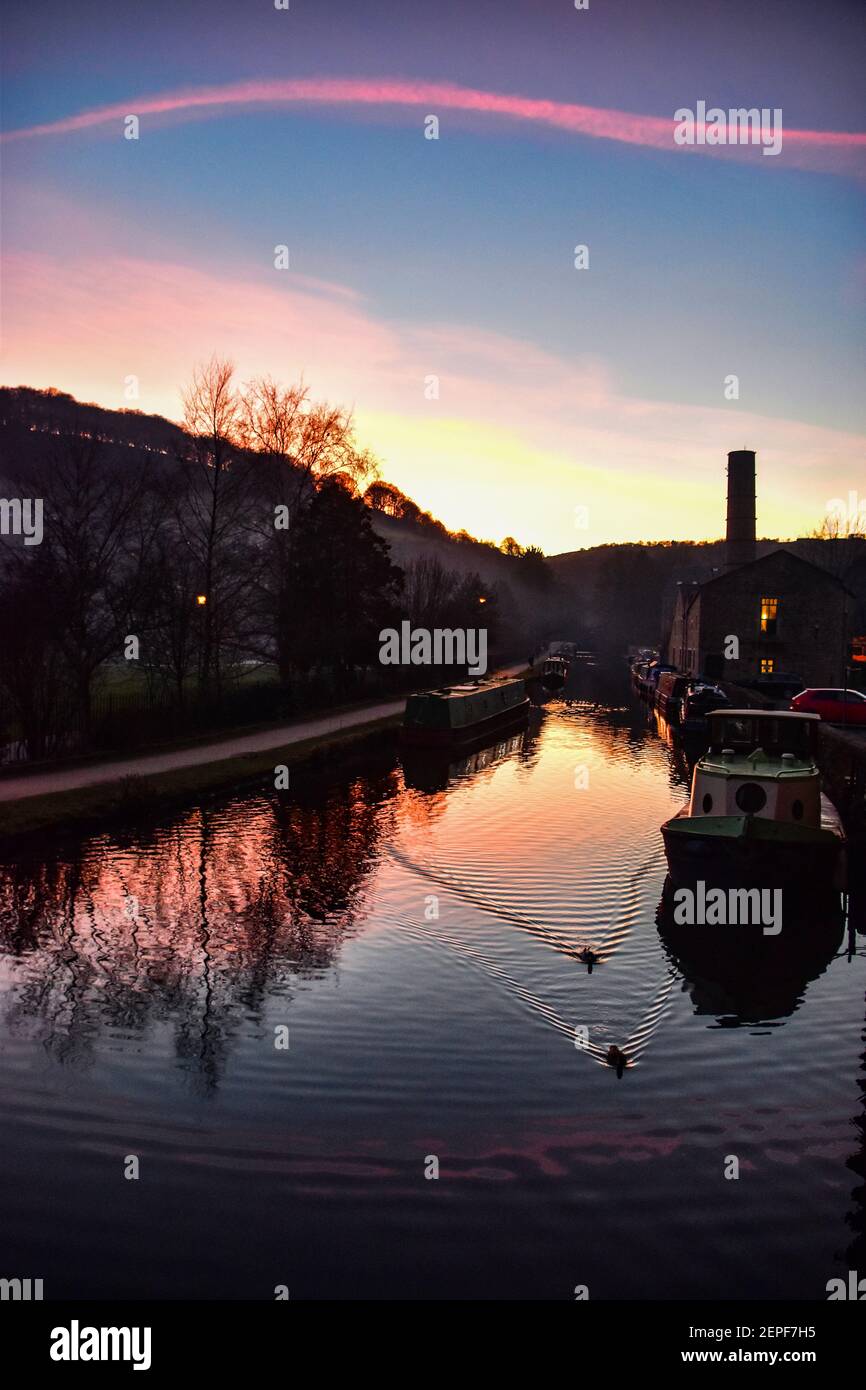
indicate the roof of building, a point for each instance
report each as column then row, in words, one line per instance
column 766, row 560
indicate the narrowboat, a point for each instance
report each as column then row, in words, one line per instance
column 650, row 682
column 554, row 672
column 670, row 689
column 638, row 674
column 755, row 814
column 458, row 714
column 698, row 702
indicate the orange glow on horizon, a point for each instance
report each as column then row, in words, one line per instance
column 522, row 442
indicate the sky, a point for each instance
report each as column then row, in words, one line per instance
column 431, row 284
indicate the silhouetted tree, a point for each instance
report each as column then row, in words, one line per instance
column 33, row 672
column 511, row 547
column 344, row 588
column 100, row 519
column 212, row 507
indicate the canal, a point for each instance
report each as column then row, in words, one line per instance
column 287, row 1012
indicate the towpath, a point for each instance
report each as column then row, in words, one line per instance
column 55, row 780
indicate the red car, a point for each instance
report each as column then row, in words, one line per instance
column 834, row 706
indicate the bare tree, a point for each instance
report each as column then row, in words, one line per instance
column 210, row 509
column 100, row 523
column 385, row 497
column 429, row 591
column 33, row 671
column 836, row 545
column 312, row 440
column 297, row 445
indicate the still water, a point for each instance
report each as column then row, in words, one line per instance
column 147, row 975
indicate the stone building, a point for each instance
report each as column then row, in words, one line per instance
column 787, row 615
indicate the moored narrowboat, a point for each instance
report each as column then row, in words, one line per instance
column 755, row 813
column 638, row 675
column 554, row 672
column 670, row 689
column 458, row 714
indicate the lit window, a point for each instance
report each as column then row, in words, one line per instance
column 768, row 666
column 769, row 614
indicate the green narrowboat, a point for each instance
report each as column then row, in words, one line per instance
column 457, row 714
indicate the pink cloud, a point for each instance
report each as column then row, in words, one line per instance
column 510, row 410
column 835, row 151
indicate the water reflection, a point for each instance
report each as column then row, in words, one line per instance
column 855, row 1256
column 742, row 976
column 193, row 923
column 433, row 769
column 142, row 972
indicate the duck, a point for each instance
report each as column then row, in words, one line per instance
column 617, row 1058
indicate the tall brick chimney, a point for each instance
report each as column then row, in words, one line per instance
column 740, row 547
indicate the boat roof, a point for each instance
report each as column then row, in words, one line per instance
column 446, row 692
column 765, row 714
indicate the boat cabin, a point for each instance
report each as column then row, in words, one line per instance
column 774, row 731
column 456, row 711
column 759, row 763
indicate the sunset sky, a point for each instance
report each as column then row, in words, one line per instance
column 559, row 388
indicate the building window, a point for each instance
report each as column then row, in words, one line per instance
column 769, row 615
column 768, row 665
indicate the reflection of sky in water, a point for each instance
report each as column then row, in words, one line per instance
column 151, row 1031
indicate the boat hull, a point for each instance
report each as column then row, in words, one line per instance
column 750, row 852
column 464, row 736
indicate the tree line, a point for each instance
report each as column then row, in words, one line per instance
column 195, row 557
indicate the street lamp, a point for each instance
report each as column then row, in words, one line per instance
column 201, row 600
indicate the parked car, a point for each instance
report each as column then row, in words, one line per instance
column 778, row 685
column 834, row 706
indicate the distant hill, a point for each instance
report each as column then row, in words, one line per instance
column 604, row 597
column 627, row 592
column 33, row 421
column 26, row 412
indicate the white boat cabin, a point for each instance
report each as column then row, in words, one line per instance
column 759, row 763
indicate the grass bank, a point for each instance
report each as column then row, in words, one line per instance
column 131, row 796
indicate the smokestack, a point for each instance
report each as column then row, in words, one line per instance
column 740, row 549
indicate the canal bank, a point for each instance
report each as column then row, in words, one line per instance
column 84, row 793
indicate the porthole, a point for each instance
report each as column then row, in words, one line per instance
column 707, row 803
column 751, row 798
column 797, row 810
